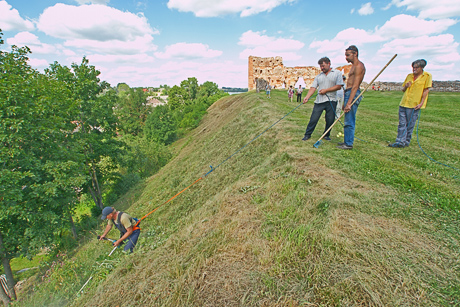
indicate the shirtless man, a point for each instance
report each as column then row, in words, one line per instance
column 355, row 77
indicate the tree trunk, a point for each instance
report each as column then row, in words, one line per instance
column 7, row 268
column 96, row 186
column 72, row 227
column 93, row 196
column 97, row 200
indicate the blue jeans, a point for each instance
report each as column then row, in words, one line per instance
column 350, row 118
column 318, row 108
column 407, row 119
column 131, row 241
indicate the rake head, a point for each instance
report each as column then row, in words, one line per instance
column 318, row 143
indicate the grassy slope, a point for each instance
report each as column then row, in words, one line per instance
column 285, row 224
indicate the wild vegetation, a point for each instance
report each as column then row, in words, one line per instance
column 72, row 144
column 282, row 223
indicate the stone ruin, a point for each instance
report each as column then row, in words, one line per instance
column 271, row 70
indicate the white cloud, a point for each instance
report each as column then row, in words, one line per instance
column 224, row 7
column 11, row 20
column 268, row 46
column 38, row 63
column 357, row 36
column 405, row 26
column 395, row 28
column 343, row 39
column 31, row 40
column 326, row 46
column 92, row 1
column 139, row 44
column 116, row 59
column 366, row 9
column 439, row 49
column 68, row 52
column 225, row 73
column 188, row 51
column 408, row 36
column 99, row 28
column 431, row 9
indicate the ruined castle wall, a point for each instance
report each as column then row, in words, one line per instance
column 272, row 70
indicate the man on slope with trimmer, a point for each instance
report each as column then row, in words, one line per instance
column 127, row 225
column 355, row 77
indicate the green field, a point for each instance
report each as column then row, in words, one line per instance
column 282, row 223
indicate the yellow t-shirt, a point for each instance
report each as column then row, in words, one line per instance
column 413, row 95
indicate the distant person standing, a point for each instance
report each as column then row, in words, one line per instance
column 415, row 88
column 299, row 94
column 268, row 88
column 290, row 93
column 355, row 77
column 327, row 83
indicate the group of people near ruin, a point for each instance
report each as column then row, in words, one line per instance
column 335, row 96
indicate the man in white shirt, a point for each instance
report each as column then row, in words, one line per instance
column 328, row 82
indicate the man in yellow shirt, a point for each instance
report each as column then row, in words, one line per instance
column 415, row 88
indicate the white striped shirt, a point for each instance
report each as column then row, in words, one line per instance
column 323, row 81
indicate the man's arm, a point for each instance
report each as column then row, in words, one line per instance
column 331, row 89
column 311, row 91
column 424, row 95
column 128, row 232
column 406, row 86
column 107, row 229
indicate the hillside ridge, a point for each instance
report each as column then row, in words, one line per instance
column 283, row 223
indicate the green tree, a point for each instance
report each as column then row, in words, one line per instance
column 38, row 173
column 96, row 121
column 160, row 126
column 177, row 98
column 122, row 87
column 190, row 86
column 132, row 111
column 208, row 89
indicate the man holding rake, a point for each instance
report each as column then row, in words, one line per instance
column 355, row 77
column 328, row 82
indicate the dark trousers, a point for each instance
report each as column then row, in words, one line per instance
column 299, row 97
column 318, row 108
column 131, row 241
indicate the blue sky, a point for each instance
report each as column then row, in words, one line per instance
column 148, row 43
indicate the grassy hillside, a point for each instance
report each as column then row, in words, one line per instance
column 283, row 223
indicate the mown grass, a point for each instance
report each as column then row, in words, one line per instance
column 282, row 223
